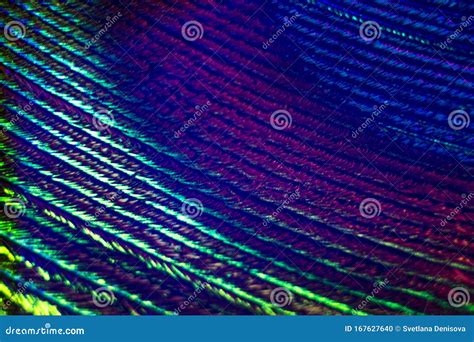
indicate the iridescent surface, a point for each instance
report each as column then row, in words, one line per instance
column 250, row 157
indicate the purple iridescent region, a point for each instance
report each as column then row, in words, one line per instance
column 243, row 157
